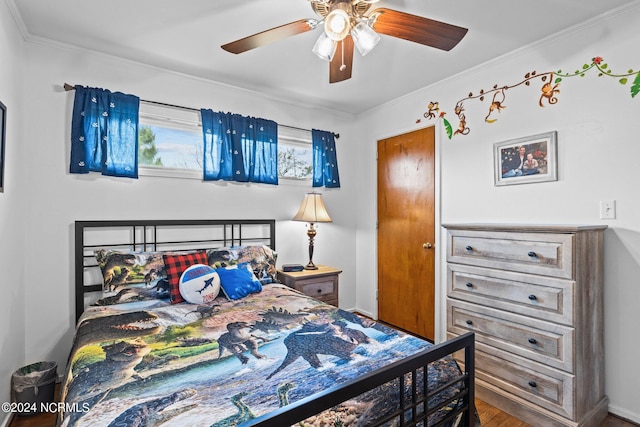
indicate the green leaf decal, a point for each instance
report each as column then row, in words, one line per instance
column 448, row 127
column 635, row 87
column 558, row 80
column 623, row 81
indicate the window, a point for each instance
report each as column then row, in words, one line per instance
column 295, row 154
column 172, row 148
column 170, row 144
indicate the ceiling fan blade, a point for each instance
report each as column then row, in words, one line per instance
column 417, row 29
column 272, row 35
column 340, row 66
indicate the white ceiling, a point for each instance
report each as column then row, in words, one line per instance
column 185, row 36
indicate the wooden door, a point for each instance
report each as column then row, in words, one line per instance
column 406, row 231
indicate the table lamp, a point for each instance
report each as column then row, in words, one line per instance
column 312, row 210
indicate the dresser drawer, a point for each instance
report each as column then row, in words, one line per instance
column 535, row 296
column 538, row 253
column 548, row 388
column 543, row 342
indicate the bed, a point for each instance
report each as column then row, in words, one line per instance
column 252, row 353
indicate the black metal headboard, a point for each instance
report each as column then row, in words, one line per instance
column 157, row 235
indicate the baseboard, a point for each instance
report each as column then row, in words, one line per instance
column 7, row 420
column 362, row 312
column 624, row 414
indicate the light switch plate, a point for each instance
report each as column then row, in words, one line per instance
column 607, row 209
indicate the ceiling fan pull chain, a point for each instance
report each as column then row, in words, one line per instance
column 343, row 66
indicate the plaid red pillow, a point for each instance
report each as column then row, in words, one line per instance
column 175, row 265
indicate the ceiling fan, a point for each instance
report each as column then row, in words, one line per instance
column 352, row 22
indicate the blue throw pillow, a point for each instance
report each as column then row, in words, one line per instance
column 238, row 281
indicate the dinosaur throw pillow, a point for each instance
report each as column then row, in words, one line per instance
column 238, row 281
column 175, row 265
column 261, row 258
column 120, row 269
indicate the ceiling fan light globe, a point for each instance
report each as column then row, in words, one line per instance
column 324, row 47
column 337, row 24
column 364, row 38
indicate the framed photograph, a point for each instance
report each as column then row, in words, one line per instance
column 526, row 160
column 3, row 133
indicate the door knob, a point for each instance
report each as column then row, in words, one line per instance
column 427, row 245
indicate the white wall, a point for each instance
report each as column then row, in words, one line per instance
column 12, row 260
column 598, row 151
column 597, row 125
column 56, row 199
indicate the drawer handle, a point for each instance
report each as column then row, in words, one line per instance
column 469, row 248
column 533, row 384
column 469, row 322
column 533, row 254
column 469, row 285
column 532, row 341
column 533, row 297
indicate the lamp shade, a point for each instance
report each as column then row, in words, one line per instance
column 364, row 38
column 312, row 209
column 324, row 47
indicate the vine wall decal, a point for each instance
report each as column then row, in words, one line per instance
column 550, row 88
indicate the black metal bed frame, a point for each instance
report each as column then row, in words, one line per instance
column 412, row 411
column 143, row 235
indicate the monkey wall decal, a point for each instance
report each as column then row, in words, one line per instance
column 497, row 104
column 462, row 125
column 549, row 90
column 433, row 108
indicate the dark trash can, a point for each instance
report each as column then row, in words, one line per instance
column 34, row 385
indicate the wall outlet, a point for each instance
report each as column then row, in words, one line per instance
column 607, row 209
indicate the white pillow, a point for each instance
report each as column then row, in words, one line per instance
column 199, row 284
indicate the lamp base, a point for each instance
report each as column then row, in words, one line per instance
column 311, row 232
column 311, row 266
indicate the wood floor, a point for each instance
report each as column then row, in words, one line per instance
column 489, row 417
column 493, row 417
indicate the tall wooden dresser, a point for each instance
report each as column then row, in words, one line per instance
column 533, row 296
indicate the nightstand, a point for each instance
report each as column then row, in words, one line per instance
column 321, row 284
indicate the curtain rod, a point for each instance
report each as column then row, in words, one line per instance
column 68, row 87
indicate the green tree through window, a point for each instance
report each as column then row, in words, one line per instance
column 147, row 150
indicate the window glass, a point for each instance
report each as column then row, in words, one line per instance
column 172, row 148
column 295, row 153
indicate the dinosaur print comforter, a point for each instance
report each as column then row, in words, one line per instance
column 153, row 363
